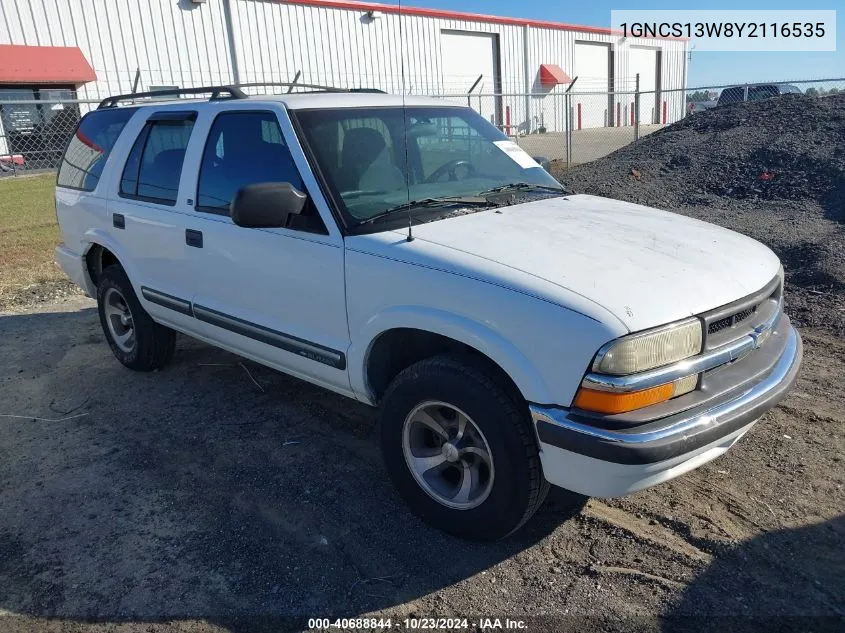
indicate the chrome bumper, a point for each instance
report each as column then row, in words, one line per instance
column 678, row 434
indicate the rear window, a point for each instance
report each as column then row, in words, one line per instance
column 89, row 148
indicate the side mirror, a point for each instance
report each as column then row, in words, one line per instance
column 542, row 161
column 266, row 204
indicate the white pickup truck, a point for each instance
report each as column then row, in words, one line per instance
column 405, row 253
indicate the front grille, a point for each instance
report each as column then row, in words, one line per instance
column 731, row 320
column 739, row 318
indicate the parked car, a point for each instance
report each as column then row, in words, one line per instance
column 404, row 253
column 755, row 92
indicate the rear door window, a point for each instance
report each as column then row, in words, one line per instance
column 154, row 166
column 732, row 95
column 89, row 148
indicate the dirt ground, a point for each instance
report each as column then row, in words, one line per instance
column 194, row 499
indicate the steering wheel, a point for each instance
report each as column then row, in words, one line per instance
column 451, row 168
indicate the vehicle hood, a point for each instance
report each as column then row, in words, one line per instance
column 645, row 266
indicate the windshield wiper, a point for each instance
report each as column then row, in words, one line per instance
column 524, row 186
column 467, row 201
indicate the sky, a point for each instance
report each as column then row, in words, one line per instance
column 705, row 68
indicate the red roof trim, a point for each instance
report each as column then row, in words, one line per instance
column 454, row 15
column 44, row 64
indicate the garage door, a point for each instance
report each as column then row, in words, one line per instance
column 644, row 62
column 465, row 57
column 592, row 67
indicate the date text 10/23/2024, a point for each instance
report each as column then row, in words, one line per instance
column 416, row 624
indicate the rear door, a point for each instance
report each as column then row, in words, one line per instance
column 148, row 214
column 273, row 294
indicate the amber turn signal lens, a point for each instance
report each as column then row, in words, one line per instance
column 610, row 403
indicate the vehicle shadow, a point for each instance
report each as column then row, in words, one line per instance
column 786, row 580
column 214, row 490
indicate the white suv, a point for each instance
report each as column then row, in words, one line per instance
column 405, row 253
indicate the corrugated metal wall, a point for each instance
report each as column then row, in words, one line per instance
column 172, row 42
column 178, row 42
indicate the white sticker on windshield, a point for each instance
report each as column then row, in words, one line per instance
column 516, row 154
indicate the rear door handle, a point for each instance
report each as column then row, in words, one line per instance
column 193, row 238
column 118, row 221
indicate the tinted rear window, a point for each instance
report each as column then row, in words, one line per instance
column 89, row 148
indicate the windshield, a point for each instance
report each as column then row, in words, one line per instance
column 375, row 159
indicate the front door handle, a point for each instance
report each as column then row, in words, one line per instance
column 193, row 238
column 118, row 221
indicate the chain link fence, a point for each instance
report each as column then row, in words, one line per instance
column 579, row 126
column 566, row 126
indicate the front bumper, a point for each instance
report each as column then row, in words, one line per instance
column 614, row 462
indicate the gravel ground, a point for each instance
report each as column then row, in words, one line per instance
column 193, row 499
column 31, row 295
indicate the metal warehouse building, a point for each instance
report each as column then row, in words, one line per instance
column 513, row 69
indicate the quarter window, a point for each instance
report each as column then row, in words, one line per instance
column 89, row 148
column 154, row 166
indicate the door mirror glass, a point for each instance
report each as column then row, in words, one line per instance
column 267, row 204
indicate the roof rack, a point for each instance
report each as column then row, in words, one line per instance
column 290, row 85
column 217, row 92
column 226, row 92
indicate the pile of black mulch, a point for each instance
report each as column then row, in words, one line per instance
column 773, row 169
column 788, row 148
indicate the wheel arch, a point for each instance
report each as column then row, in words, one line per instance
column 399, row 337
column 102, row 251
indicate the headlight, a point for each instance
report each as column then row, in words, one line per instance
column 650, row 349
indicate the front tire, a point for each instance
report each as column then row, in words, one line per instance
column 460, row 449
column 136, row 340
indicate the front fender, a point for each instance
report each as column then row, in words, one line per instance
column 459, row 328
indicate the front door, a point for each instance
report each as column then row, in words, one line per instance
column 276, row 295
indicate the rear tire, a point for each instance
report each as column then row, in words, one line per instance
column 482, row 483
column 136, row 340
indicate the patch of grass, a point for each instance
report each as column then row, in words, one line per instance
column 28, row 235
